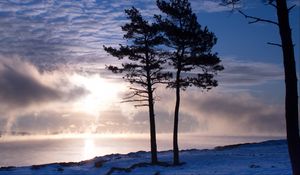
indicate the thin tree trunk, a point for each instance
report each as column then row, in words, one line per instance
column 291, row 98
column 175, row 131
column 152, row 129
column 151, row 115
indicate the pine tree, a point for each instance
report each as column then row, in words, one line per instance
column 189, row 53
column 141, row 66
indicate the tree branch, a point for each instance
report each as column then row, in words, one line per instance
column 130, row 101
column 131, row 96
column 272, row 4
column 274, row 44
column 141, row 105
column 256, row 19
column 138, row 90
column 135, row 93
column 289, row 9
column 140, row 95
column 160, row 82
column 231, row 2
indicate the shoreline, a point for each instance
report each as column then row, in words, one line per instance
column 139, row 161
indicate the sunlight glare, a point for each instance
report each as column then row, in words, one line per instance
column 89, row 148
column 101, row 93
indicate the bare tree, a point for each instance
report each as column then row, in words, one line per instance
column 291, row 96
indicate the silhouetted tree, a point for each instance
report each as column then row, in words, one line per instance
column 142, row 66
column 291, row 97
column 189, row 53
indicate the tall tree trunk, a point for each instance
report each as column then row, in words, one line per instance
column 151, row 114
column 152, row 129
column 291, row 98
column 176, row 113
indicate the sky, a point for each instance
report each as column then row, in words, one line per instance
column 53, row 78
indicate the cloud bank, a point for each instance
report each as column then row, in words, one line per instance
column 62, row 32
column 247, row 73
column 44, row 43
column 29, row 98
column 22, row 85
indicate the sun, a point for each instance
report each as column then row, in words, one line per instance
column 101, row 94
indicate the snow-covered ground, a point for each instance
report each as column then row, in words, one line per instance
column 266, row 158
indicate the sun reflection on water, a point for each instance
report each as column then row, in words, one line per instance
column 89, row 148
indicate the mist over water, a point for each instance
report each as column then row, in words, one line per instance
column 32, row 150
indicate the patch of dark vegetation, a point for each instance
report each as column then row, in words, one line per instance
column 136, row 154
column 36, row 167
column 254, row 166
column 220, row 148
column 99, row 163
column 70, row 164
column 269, row 142
column 189, row 150
column 62, row 164
column 138, row 165
column 274, row 142
column 180, row 164
column 60, row 169
column 8, row 168
column 114, row 156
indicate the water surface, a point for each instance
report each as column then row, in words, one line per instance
column 25, row 151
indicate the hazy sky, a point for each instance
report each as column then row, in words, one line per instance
column 52, row 76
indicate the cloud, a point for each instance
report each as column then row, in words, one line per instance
column 22, row 86
column 247, row 73
column 46, row 34
column 212, row 113
column 68, row 32
column 234, row 114
column 216, row 112
column 62, row 32
column 29, row 97
column 294, row 2
column 48, row 122
column 51, row 33
column 18, row 88
column 215, row 6
column 210, row 6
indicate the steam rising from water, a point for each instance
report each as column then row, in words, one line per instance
column 76, row 147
